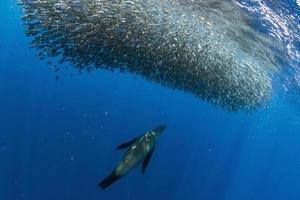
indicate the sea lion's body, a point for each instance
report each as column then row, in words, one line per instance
column 139, row 150
column 136, row 153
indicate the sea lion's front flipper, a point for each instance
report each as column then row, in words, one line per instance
column 127, row 144
column 109, row 180
column 146, row 161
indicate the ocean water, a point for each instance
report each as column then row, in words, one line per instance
column 58, row 137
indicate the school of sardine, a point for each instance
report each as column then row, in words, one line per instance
column 181, row 44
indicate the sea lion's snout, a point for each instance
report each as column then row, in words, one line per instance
column 157, row 131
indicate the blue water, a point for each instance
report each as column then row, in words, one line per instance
column 58, row 138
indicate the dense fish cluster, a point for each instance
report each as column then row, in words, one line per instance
column 180, row 44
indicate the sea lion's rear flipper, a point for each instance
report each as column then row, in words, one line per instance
column 146, row 161
column 127, row 144
column 109, row 180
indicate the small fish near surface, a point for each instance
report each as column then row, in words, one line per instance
column 205, row 47
column 139, row 150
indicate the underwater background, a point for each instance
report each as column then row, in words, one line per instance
column 58, row 137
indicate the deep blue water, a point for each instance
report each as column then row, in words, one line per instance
column 58, row 138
